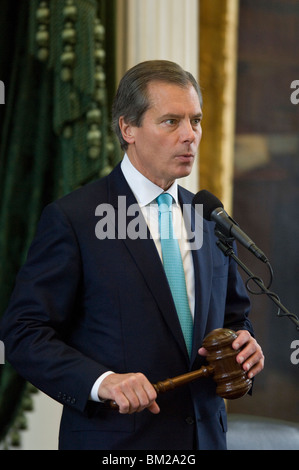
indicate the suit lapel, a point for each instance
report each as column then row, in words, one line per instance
column 145, row 254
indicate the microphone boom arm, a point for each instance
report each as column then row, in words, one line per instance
column 225, row 245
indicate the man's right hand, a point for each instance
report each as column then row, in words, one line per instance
column 132, row 392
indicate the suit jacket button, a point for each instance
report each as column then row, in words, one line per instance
column 189, row 420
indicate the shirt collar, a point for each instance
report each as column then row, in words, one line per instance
column 144, row 190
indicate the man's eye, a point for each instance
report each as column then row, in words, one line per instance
column 196, row 122
column 170, row 122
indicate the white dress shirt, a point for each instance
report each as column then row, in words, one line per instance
column 146, row 193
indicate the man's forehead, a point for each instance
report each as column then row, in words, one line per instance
column 172, row 95
column 160, row 86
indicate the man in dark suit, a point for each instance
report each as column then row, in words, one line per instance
column 92, row 317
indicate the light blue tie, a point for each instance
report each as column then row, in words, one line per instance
column 173, row 267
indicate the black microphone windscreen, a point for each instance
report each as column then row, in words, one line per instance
column 208, row 201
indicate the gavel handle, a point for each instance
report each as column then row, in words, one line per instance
column 170, row 384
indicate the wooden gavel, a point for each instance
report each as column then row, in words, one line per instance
column 232, row 381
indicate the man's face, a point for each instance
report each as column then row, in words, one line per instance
column 165, row 146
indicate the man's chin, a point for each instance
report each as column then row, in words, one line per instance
column 185, row 170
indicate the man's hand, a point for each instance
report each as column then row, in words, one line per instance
column 251, row 355
column 131, row 392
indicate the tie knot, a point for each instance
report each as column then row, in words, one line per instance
column 164, row 202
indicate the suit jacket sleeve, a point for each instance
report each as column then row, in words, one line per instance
column 40, row 316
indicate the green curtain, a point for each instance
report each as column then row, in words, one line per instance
column 57, row 64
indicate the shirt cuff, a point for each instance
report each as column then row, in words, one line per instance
column 94, row 391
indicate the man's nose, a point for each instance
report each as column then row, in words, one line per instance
column 187, row 132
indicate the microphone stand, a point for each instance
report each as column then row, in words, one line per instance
column 225, row 245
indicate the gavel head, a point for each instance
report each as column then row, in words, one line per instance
column 232, row 381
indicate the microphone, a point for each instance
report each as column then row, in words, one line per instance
column 213, row 210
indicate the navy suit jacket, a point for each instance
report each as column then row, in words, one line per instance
column 82, row 306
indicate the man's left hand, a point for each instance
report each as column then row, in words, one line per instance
column 251, row 355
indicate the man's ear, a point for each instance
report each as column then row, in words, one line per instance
column 127, row 131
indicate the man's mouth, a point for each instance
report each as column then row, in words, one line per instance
column 186, row 157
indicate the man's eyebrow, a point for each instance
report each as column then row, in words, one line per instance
column 179, row 116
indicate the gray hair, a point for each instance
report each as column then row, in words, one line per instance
column 131, row 99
